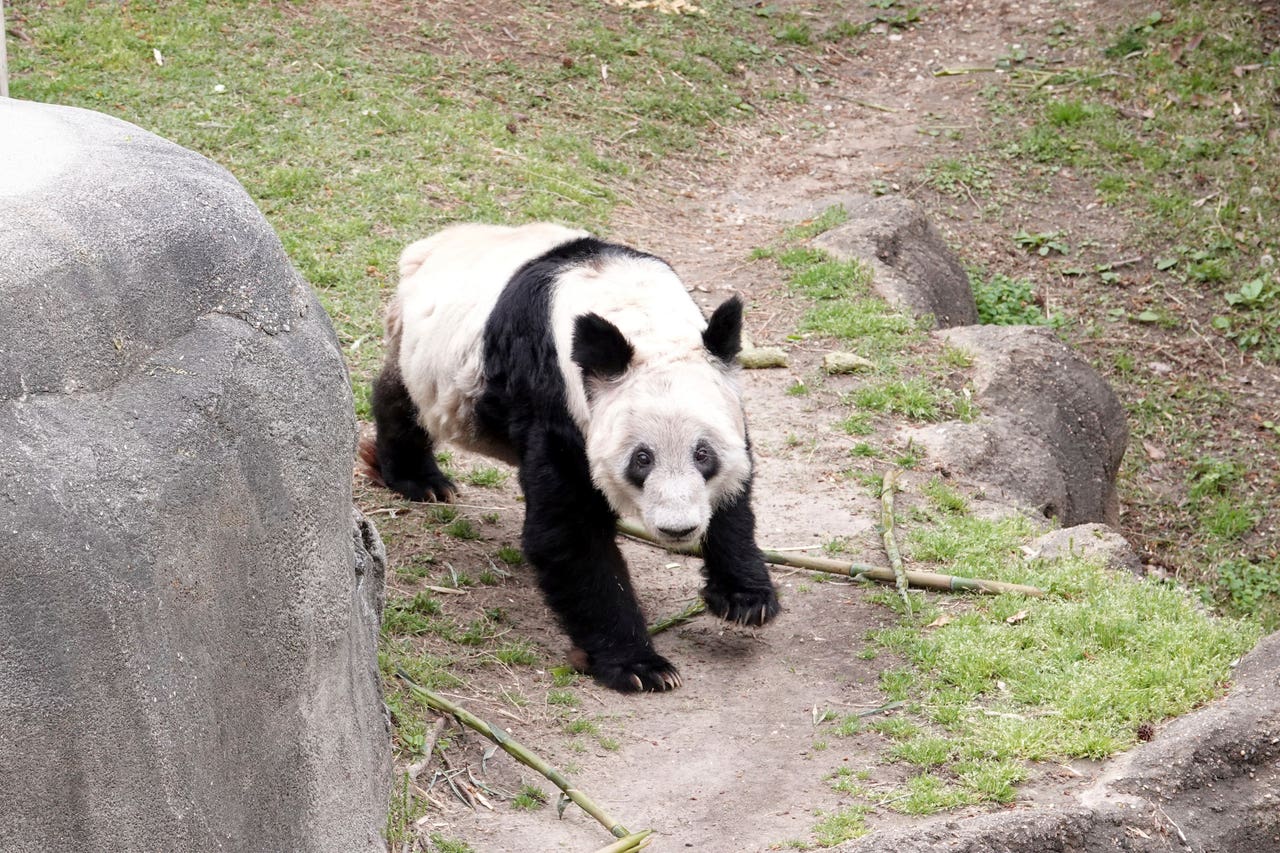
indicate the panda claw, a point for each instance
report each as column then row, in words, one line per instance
column 751, row 608
column 647, row 672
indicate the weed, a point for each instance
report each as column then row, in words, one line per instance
column 510, row 555
column 1005, row 301
column 566, row 698
column 462, row 528
column 581, row 727
column 945, row 498
column 918, row 398
column 844, row 825
column 520, row 653
column 486, row 476
column 529, row 798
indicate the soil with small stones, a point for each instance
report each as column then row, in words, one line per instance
column 735, row 760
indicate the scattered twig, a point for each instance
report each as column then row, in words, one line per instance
column 517, row 751
column 890, row 542
column 428, row 746
column 889, row 707
column 959, row 72
column 857, row 571
column 680, row 618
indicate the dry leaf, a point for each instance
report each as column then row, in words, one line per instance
column 944, row 619
column 1017, row 617
column 1154, row 453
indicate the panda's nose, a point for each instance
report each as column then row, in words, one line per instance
column 677, row 532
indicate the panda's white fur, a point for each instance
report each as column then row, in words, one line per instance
column 672, row 394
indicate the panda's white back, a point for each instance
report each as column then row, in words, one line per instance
column 449, row 283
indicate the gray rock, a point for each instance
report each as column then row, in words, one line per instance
column 912, row 267
column 1051, row 432
column 1209, row 782
column 188, row 613
column 1088, row 540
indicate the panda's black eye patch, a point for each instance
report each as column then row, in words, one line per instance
column 705, row 460
column 639, row 466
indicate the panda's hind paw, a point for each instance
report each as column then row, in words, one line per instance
column 752, row 607
column 651, row 673
column 437, row 489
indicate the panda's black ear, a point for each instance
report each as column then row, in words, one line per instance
column 599, row 348
column 723, row 337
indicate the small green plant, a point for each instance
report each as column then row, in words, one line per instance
column 945, row 498
column 529, row 798
column 486, row 476
column 841, row 826
column 520, row 653
column 510, row 555
column 1042, row 243
column 1005, row 301
column 462, row 528
column 581, row 726
column 566, row 698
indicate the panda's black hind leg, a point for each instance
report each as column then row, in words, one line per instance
column 406, row 454
column 738, row 586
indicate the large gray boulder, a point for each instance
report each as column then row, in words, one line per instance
column 912, row 267
column 1051, row 433
column 188, row 612
column 1209, row 782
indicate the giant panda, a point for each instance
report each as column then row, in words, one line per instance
column 586, row 364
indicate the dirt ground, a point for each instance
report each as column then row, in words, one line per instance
column 728, row 762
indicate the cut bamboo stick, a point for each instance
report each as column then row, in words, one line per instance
column 888, row 487
column 858, row 571
column 517, row 751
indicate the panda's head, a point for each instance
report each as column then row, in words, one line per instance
column 667, row 438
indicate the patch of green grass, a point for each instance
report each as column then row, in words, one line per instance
column 566, row 698
column 857, row 423
column 410, row 616
column 841, row 826
column 441, row 513
column 832, row 217
column 510, row 555
column 581, row 726
column 929, row 794
column 924, row 750
column 486, row 476
column 529, row 798
column 519, row 653
column 798, row 388
column 1010, row 679
column 919, row 398
column 945, row 498
column 463, row 528
column 442, row 844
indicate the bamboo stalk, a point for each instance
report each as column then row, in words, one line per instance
column 517, row 751
column 857, row 571
column 632, row 842
column 678, row 619
column 887, row 489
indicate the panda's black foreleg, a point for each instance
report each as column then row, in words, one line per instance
column 738, row 586
column 570, row 539
column 406, row 454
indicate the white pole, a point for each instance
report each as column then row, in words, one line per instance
column 4, row 59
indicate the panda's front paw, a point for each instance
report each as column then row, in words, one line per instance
column 752, row 607
column 432, row 488
column 648, row 671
